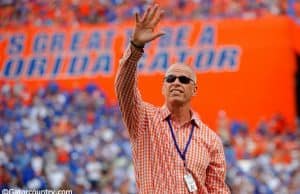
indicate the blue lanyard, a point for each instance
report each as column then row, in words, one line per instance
column 181, row 154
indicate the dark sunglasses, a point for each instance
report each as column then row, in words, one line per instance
column 182, row 79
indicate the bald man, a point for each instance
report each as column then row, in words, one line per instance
column 174, row 152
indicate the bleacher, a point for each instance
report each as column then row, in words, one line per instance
column 74, row 140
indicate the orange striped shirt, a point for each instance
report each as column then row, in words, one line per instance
column 158, row 166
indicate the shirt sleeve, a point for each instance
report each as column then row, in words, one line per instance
column 128, row 95
column 216, row 171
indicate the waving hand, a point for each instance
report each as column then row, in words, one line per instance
column 144, row 26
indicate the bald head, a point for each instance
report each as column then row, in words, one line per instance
column 184, row 68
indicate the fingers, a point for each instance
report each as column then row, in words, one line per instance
column 158, row 17
column 146, row 14
column 137, row 18
column 159, row 34
column 152, row 13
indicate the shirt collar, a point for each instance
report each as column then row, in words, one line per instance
column 165, row 113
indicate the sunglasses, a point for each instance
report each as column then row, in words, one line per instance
column 182, row 79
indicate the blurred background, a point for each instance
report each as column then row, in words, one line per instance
column 60, row 125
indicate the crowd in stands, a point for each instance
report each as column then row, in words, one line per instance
column 75, row 12
column 75, row 140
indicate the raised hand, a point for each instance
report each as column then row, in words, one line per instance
column 144, row 27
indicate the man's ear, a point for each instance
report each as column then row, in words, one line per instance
column 195, row 90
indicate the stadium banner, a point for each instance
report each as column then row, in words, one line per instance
column 245, row 67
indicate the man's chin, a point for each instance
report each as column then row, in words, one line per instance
column 176, row 101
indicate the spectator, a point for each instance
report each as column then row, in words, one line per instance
column 74, row 12
column 93, row 154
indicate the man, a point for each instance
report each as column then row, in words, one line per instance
column 173, row 151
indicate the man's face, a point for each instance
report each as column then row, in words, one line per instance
column 179, row 84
